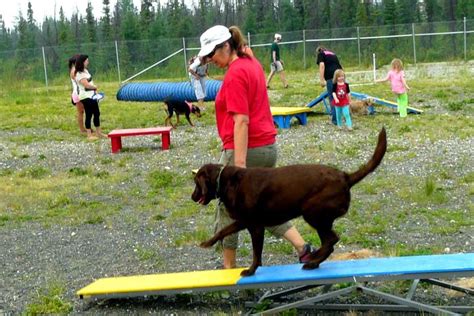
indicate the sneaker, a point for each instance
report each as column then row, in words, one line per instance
column 308, row 250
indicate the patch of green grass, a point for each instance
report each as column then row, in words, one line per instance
column 50, row 300
column 441, row 94
column 35, row 172
column 422, row 191
column 145, row 254
column 195, row 237
column 468, row 178
column 455, row 106
column 78, row 171
column 163, row 179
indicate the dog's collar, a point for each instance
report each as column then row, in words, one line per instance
column 218, row 181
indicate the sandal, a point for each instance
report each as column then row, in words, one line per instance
column 308, row 252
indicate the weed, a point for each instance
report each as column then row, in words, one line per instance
column 440, row 94
column 455, row 106
column 50, row 300
column 35, row 172
column 430, row 186
column 158, row 217
column 144, row 254
column 76, row 171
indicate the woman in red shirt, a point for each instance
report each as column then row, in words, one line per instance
column 244, row 123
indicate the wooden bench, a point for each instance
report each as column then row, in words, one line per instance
column 117, row 134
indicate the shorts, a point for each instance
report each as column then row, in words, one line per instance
column 74, row 98
column 199, row 86
column 264, row 156
column 276, row 66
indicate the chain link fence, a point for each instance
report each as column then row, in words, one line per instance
column 355, row 47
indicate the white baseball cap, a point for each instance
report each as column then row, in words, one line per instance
column 214, row 36
column 277, row 36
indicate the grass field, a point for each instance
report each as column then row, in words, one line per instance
column 52, row 178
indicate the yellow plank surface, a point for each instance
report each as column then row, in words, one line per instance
column 160, row 282
column 288, row 110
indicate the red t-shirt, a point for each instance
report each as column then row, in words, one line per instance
column 342, row 92
column 244, row 91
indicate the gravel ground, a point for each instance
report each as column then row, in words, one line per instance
column 32, row 256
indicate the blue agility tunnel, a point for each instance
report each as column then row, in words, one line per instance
column 159, row 91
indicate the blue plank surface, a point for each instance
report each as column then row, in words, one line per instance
column 379, row 101
column 320, row 98
column 390, row 266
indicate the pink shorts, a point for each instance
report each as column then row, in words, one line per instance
column 75, row 98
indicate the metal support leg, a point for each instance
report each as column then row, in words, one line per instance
column 405, row 302
column 312, row 300
column 412, row 290
column 449, row 286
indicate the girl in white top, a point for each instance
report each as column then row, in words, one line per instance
column 198, row 73
column 87, row 89
column 75, row 94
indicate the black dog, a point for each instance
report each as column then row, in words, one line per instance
column 260, row 197
column 180, row 107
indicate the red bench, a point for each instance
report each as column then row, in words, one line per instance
column 117, row 134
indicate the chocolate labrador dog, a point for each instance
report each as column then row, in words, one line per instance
column 260, row 197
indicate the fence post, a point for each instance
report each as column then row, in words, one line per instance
column 185, row 57
column 358, row 45
column 248, row 39
column 118, row 61
column 414, row 41
column 465, row 39
column 304, row 49
column 44, row 65
column 375, row 67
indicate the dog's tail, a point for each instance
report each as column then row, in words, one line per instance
column 373, row 163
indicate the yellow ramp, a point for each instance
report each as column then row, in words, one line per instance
column 288, row 110
column 161, row 282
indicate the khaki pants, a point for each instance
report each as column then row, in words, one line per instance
column 265, row 156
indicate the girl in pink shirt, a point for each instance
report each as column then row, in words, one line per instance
column 396, row 76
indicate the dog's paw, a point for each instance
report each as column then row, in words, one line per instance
column 310, row 266
column 247, row 272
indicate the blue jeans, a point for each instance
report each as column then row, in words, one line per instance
column 333, row 110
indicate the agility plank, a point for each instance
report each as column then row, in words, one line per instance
column 321, row 98
column 373, row 269
column 384, row 102
column 170, row 283
column 282, row 115
column 330, row 272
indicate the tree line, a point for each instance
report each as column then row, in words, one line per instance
column 174, row 19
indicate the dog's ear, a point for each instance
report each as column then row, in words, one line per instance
column 206, row 179
column 231, row 188
column 200, row 180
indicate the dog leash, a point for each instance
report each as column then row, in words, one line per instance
column 218, row 181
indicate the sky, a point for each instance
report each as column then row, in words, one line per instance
column 9, row 9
